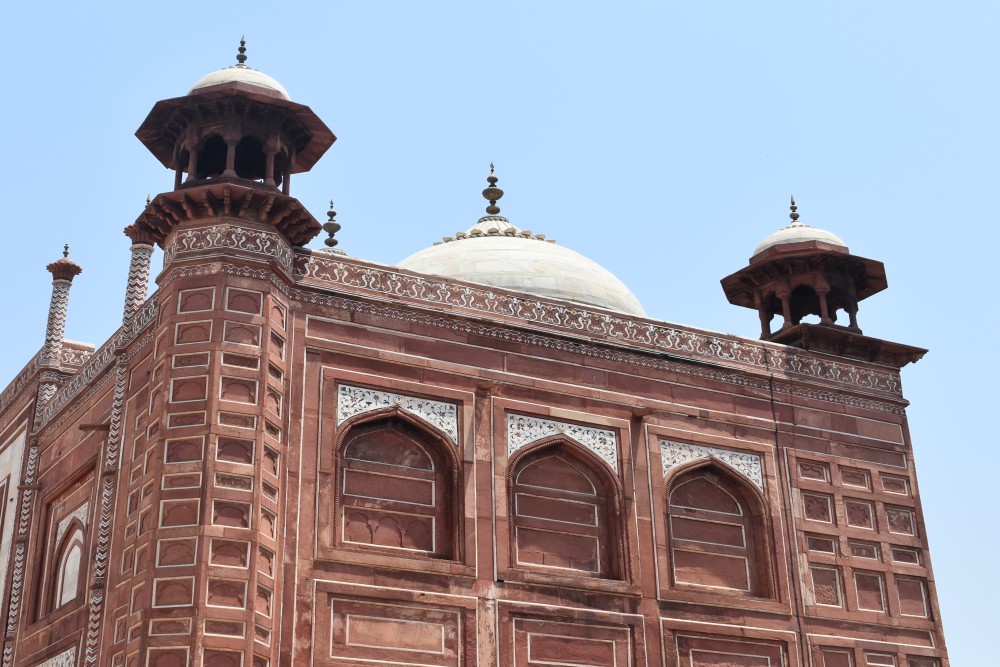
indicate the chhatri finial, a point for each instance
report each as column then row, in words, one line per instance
column 794, row 215
column 242, row 56
column 66, row 250
column 331, row 227
column 492, row 193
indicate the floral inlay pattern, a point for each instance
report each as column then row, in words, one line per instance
column 674, row 454
column 353, row 401
column 523, row 430
column 81, row 514
column 65, row 659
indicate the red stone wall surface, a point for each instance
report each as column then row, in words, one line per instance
column 321, row 462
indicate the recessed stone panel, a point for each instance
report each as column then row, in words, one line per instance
column 270, row 463
column 166, row 657
column 231, row 513
column 227, row 593
column 170, row 626
column 190, row 360
column 225, row 628
column 856, row 477
column 216, row 658
column 895, row 484
column 243, row 334
column 175, row 552
column 229, row 553
column 826, row 586
column 386, row 632
column 900, row 520
column 265, row 562
column 196, row 300
column 871, row 590
column 173, row 592
column 181, row 419
column 188, row 333
column 817, row 507
column 244, row 301
column 174, row 513
column 717, row 651
column 185, row 390
column 859, row 513
column 181, row 480
column 240, row 390
column 240, row 360
column 233, row 450
column 262, row 605
column 238, row 420
column 538, row 643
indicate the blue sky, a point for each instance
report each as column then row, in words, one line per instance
column 660, row 139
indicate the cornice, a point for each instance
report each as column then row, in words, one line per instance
column 592, row 325
column 510, row 332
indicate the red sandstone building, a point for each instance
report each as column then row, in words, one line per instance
column 486, row 455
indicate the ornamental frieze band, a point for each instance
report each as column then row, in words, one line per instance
column 698, row 345
column 229, row 237
column 506, row 333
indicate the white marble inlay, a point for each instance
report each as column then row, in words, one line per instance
column 523, row 430
column 353, row 401
column 65, row 659
column 81, row 514
column 677, row 453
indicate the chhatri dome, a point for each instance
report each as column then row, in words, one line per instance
column 799, row 232
column 496, row 253
column 240, row 73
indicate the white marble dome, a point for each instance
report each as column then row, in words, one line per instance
column 798, row 232
column 241, row 74
column 496, row 253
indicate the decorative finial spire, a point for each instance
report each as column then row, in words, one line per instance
column 148, row 199
column 66, row 250
column 492, row 193
column 794, row 215
column 242, row 56
column 331, row 227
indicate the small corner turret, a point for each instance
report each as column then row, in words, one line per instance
column 802, row 270
column 233, row 143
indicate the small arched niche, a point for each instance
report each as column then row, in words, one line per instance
column 717, row 532
column 564, row 512
column 396, row 489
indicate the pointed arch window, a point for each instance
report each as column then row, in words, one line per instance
column 563, row 513
column 396, row 486
column 69, row 567
column 717, row 533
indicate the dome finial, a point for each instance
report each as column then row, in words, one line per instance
column 492, row 194
column 331, row 227
column 794, row 215
column 242, row 56
column 66, row 250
